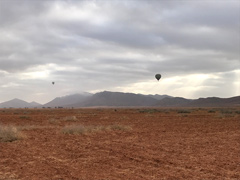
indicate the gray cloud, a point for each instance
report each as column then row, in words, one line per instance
column 93, row 45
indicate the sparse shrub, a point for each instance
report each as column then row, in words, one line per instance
column 53, row 121
column 74, row 129
column 227, row 111
column 29, row 127
column 148, row 110
column 24, row 117
column 26, row 112
column 124, row 118
column 70, row 118
column 9, row 133
column 79, row 129
column 221, row 116
column 224, row 113
column 211, row 111
column 184, row 111
column 67, row 118
column 237, row 112
column 120, row 127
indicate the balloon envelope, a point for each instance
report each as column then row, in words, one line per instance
column 158, row 76
column 53, row 82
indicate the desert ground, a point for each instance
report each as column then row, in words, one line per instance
column 120, row 144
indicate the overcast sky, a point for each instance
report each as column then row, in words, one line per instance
column 117, row 45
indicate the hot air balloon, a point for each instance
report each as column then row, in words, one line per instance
column 53, row 83
column 158, row 76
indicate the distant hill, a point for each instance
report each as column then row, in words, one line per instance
column 159, row 97
column 173, row 102
column 68, row 100
column 201, row 102
column 215, row 101
column 120, row 99
column 108, row 98
column 18, row 103
column 35, row 104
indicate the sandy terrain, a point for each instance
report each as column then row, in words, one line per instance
column 199, row 143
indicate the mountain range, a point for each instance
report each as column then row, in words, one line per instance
column 119, row 99
column 18, row 103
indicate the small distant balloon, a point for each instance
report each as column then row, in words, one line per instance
column 53, row 83
column 158, row 76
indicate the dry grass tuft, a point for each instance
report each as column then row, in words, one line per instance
column 9, row 133
column 30, row 127
column 53, row 121
column 120, row 127
column 67, row 118
column 79, row 129
column 75, row 129
column 70, row 118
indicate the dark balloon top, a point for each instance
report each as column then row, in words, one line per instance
column 158, row 76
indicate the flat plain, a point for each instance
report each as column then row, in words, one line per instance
column 121, row 144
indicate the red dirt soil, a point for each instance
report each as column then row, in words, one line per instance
column 199, row 143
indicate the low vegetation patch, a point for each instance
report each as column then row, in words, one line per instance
column 148, row 110
column 30, row 127
column 226, row 111
column 53, row 121
column 70, row 118
column 9, row 133
column 237, row 112
column 80, row 129
column 67, row 118
column 184, row 111
column 119, row 127
column 77, row 129
column 24, row 117
column 211, row 111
